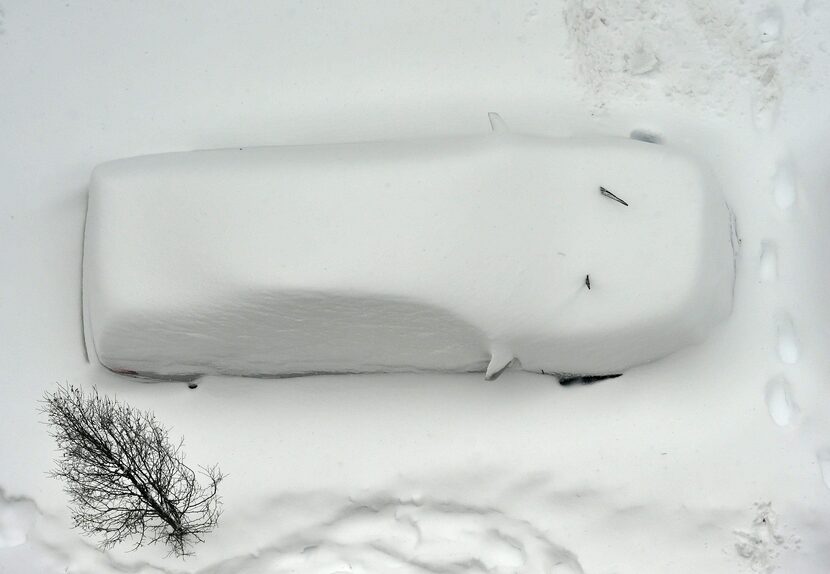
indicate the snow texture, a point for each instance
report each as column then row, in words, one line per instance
column 713, row 460
column 445, row 255
column 689, row 51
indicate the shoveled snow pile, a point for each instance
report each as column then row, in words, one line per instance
column 423, row 255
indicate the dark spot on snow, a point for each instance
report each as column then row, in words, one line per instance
column 192, row 385
column 567, row 380
column 645, row 136
column 588, row 282
column 608, row 194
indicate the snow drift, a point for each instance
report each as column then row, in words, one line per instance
column 458, row 254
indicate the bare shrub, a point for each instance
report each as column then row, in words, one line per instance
column 124, row 477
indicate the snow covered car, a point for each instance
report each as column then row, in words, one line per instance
column 570, row 257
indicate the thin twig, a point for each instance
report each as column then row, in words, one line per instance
column 607, row 193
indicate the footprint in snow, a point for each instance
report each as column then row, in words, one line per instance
column 768, row 271
column 780, row 403
column 788, row 348
column 784, row 186
column 770, row 24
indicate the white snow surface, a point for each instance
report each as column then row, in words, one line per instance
column 404, row 256
column 715, row 459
